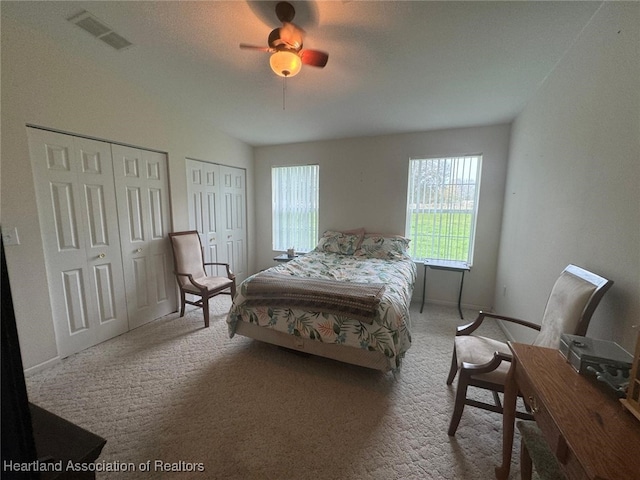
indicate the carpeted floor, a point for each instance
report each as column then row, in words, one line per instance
column 175, row 392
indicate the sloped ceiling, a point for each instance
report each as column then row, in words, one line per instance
column 394, row 66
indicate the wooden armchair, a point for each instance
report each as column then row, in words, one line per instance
column 191, row 275
column 484, row 362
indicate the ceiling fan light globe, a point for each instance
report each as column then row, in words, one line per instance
column 285, row 64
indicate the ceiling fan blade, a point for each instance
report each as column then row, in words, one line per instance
column 255, row 47
column 315, row 58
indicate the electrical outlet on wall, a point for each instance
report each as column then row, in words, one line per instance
column 10, row 236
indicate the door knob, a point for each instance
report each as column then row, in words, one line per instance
column 102, row 255
column 139, row 250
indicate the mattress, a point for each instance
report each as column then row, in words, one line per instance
column 386, row 335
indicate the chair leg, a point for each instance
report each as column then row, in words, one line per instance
column 496, row 399
column 205, row 310
column 454, row 367
column 182, row 302
column 461, row 396
column 526, row 465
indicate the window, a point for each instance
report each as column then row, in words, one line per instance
column 295, row 207
column 442, row 205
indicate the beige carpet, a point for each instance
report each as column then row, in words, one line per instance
column 173, row 391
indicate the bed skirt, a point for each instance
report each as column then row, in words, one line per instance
column 343, row 353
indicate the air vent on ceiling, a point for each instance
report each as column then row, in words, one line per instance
column 98, row 29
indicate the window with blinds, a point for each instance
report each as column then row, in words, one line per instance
column 442, row 205
column 294, row 191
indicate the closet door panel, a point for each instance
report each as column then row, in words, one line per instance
column 73, row 286
column 233, row 191
column 203, row 194
column 160, row 255
column 134, row 215
column 64, row 216
column 105, row 287
column 102, row 239
column 143, row 213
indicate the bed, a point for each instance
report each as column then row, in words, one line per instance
column 348, row 300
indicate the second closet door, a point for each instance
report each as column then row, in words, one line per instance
column 217, row 210
column 203, row 191
column 143, row 214
column 234, row 230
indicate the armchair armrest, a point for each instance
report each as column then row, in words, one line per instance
column 191, row 279
column 471, row 327
column 230, row 274
column 491, row 365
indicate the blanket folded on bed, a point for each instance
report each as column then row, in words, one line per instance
column 355, row 300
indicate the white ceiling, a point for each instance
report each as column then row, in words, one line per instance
column 394, row 66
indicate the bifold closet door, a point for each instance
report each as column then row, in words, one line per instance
column 77, row 210
column 203, row 192
column 217, row 210
column 142, row 191
column 234, row 229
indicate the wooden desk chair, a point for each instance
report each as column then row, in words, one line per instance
column 484, row 362
column 191, row 275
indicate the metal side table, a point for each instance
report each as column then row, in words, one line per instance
column 450, row 265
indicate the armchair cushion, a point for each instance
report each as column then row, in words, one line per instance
column 212, row 283
column 479, row 350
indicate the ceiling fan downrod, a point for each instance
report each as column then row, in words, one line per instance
column 284, row 88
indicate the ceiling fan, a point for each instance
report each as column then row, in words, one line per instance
column 285, row 45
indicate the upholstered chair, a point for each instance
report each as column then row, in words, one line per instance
column 484, row 362
column 190, row 271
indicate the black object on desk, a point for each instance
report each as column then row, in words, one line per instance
column 450, row 265
column 283, row 257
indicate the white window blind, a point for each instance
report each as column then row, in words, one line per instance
column 295, row 207
column 442, row 205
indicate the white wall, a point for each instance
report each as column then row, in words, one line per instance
column 363, row 183
column 573, row 185
column 46, row 86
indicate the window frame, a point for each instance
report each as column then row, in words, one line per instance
column 306, row 238
column 416, row 196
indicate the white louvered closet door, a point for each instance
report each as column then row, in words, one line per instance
column 77, row 211
column 142, row 192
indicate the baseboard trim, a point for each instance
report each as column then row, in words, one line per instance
column 42, row 366
column 447, row 303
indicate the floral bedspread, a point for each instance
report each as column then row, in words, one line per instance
column 388, row 333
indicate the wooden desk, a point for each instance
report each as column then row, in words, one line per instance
column 592, row 434
column 451, row 266
column 59, row 440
